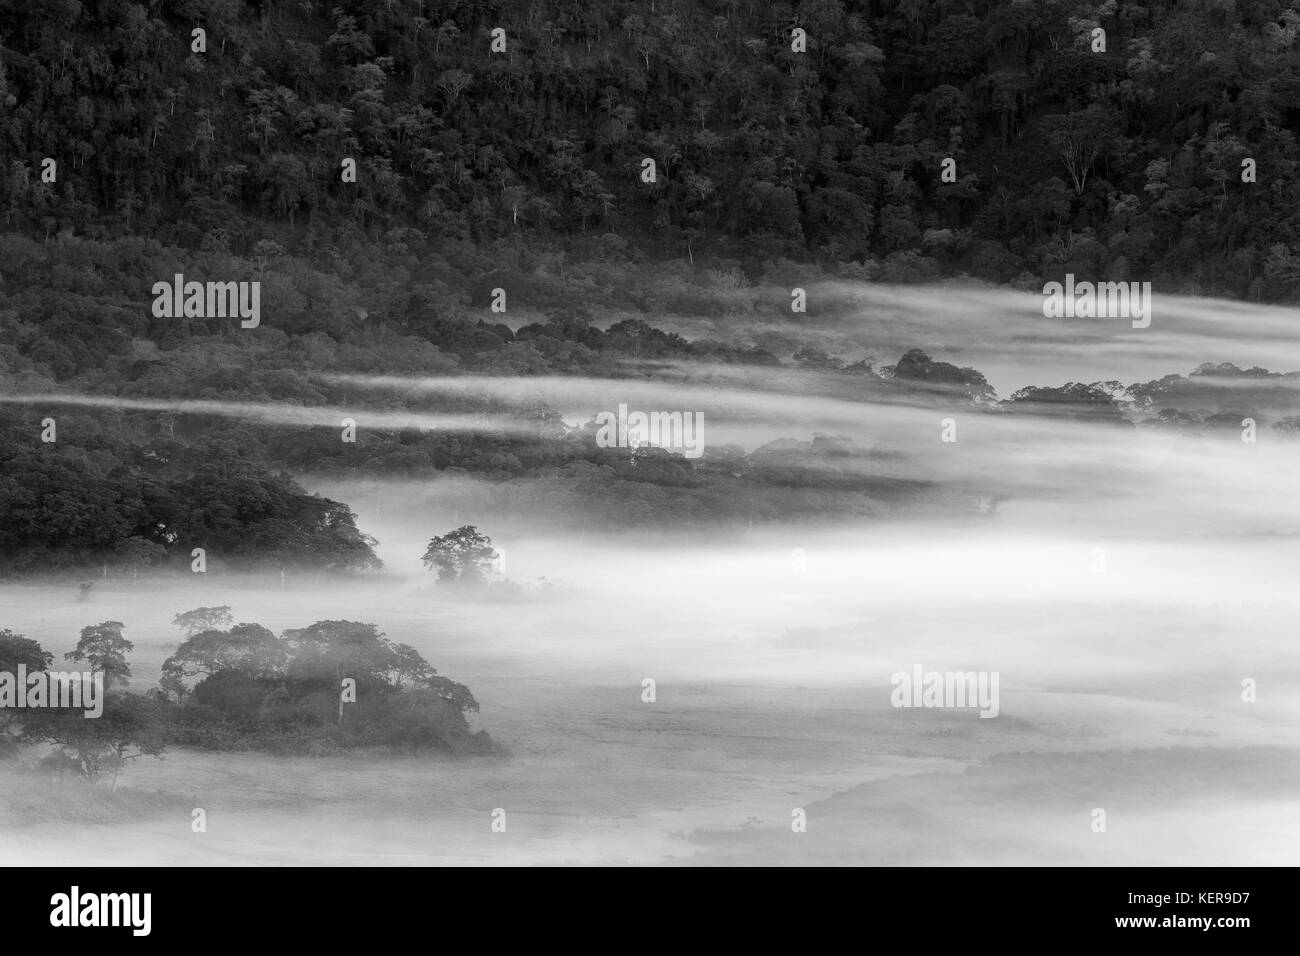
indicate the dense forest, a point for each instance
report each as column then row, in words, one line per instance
column 326, row 688
column 1115, row 162
column 504, row 146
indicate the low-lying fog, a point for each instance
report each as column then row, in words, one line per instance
column 1122, row 584
column 1120, row 689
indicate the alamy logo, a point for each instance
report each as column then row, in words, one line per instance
column 1098, row 300
column 950, row 689
column 102, row 909
column 671, row 430
column 71, row 689
column 208, row 300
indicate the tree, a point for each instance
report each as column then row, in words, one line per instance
column 453, row 83
column 1073, row 400
column 137, row 552
column 329, row 651
column 917, row 366
column 326, row 652
column 248, row 649
column 810, row 357
column 463, row 556
column 426, row 718
column 1080, row 138
column 408, row 667
column 204, row 619
column 104, row 647
column 129, row 722
column 16, row 651
column 254, row 683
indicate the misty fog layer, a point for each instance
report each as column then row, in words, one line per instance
column 773, row 684
column 1004, row 333
column 1122, row 582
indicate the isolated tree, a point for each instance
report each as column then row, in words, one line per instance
column 104, row 648
column 463, row 556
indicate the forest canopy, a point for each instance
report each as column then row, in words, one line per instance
column 1002, row 142
column 1119, row 158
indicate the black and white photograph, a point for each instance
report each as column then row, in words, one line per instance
column 651, row 433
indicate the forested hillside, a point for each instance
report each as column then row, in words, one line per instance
column 1116, row 163
column 507, row 147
